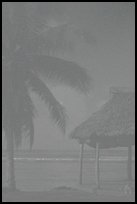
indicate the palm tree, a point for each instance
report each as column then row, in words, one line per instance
column 21, row 74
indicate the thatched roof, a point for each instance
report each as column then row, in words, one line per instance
column 112, row 125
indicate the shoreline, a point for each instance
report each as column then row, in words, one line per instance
column 113, row 158
column 67, row 194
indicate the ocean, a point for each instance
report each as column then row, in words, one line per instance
column 43, row 170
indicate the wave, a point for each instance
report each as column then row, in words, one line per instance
column 70, row 159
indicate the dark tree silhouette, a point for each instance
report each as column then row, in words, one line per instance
column 21, row 71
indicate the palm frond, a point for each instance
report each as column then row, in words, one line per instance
column 56, row 109
column 63, row 71
column 17, row 135
column 25, row 112
column 23, row 124
column 18, row 108
column 28, row 129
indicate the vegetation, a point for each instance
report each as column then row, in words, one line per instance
column 23, row 64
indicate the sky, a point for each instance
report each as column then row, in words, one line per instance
column 109, row 58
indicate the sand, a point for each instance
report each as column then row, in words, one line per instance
column 67, row 194
column 58, row 182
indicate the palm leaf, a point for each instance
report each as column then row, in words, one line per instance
column 56, row 109
column 63, row 71
column 23, row 125
column 17, row 107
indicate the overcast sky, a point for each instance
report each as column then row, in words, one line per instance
column 109, row 58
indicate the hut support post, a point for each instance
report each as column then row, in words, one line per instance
column 81, row 163
column 129, row 163
column 97, row 167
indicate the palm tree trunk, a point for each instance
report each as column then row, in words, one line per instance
column 81, row 163
column 10, row 161
column 97, row 167
column 129, row 163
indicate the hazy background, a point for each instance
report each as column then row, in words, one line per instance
column 109, row 57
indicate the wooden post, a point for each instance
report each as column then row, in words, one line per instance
column 10, row 180
column 97, row 166
column 81, row 162
column 129, row 163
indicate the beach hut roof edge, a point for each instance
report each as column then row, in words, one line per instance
column 114, row 122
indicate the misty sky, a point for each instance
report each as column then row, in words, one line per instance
column 109, row 58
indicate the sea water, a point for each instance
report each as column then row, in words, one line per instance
column 45, row 172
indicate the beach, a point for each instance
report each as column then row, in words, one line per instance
column 37, row 176
column 65, row 195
